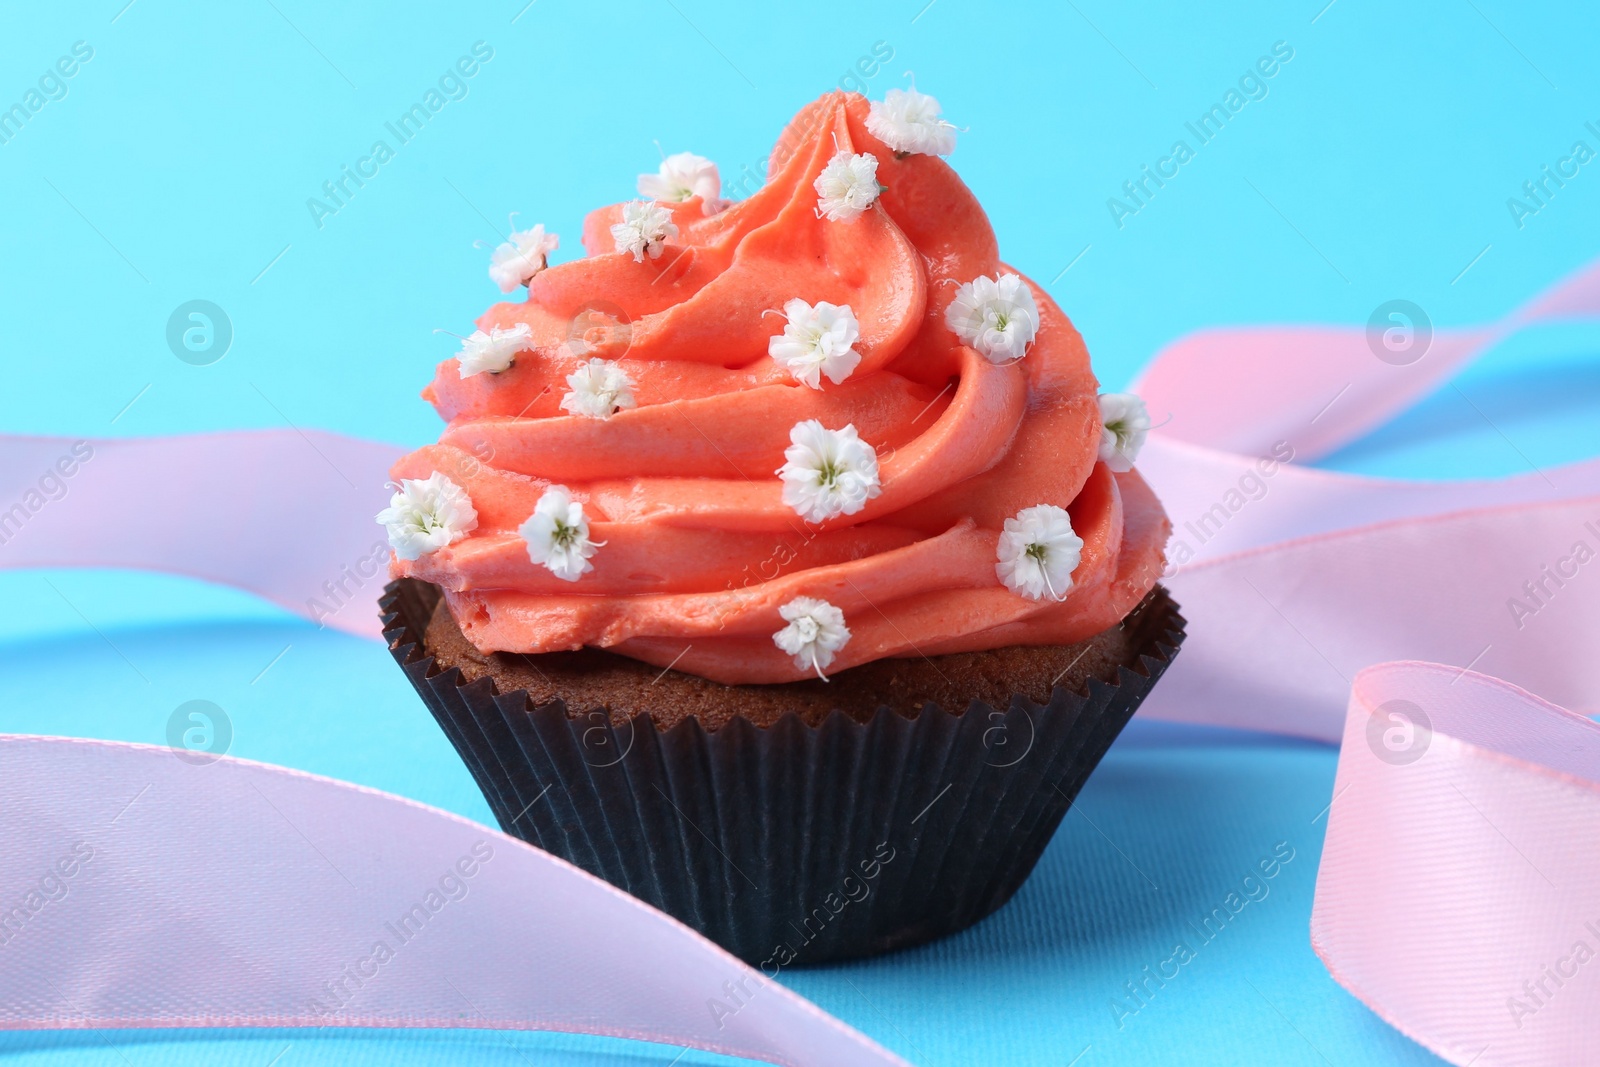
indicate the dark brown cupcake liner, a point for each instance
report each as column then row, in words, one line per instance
column 790, row 843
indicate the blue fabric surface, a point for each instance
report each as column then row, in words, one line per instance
column 178, row 164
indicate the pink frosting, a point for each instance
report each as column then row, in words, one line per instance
column 700, row 551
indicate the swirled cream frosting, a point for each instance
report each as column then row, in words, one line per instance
column 694, row 549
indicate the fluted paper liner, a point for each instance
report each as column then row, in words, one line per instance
column 790, row 843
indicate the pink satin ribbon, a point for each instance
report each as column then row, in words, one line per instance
column 1458, row 879
column 286, row 515
column 241, row 894
column 1457, row 894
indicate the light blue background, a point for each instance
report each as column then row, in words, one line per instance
column 178, row 167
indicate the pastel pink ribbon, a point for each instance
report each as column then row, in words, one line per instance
column 1457, row 894
column 240, row 894
column 286, row 515
column 1458, row 874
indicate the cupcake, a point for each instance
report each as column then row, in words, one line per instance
column 780, row 562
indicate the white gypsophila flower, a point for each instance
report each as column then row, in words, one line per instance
column 817, row 341
column 683, row 176
column 524, row 255
column 847, row 186
column 1038, row 552
column 557, row 535
column 645, row 228
column 493, row 351
column 828, row 472
column 996, row 316
column 427, row 514
column 908, row 121
column 598, row 388
column 1124, row 425
column 816, row 631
